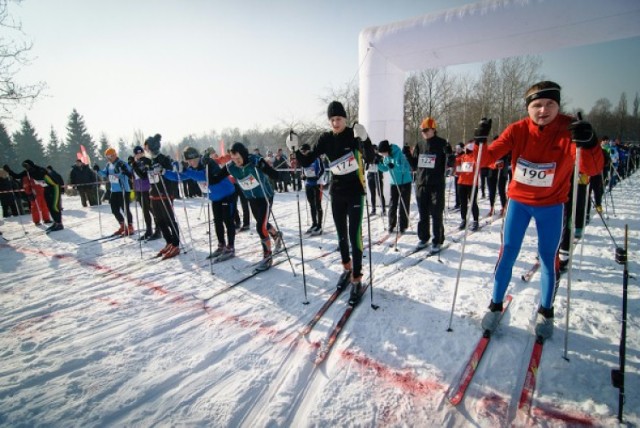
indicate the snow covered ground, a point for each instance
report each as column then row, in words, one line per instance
column 102, row 334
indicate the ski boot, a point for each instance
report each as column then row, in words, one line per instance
column 227, row 253
column 491, row 319
column 267, row 261
column 544, row 323
column 356, row 291
column 345, row 276
column 171, row 252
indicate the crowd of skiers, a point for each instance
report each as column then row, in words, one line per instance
column 534, row 158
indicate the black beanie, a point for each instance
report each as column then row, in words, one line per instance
column 240, row 149
column 153, row 144
column 384, row 147
column 336, row 109
column 27, row 163
column 305, row 146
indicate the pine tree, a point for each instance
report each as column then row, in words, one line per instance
column 28, row 145
column 7, row 150
column 56, row 153
column 104, row 145
column 123, row 149
column 77, row 135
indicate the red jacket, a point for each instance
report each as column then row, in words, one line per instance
column 542, row 160
column 465, row 167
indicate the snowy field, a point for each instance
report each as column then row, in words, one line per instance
column 102, row 334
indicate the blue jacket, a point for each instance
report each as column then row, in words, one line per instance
column 118, row 174
column 400, row 173
column 313, row 172
column 220, row 187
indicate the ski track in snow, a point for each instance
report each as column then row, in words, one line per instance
column 95, row 335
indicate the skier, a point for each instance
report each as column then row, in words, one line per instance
column 429, row 160
column 465, row 169
column 313, row 190
column 251, row 172
column 347, row 149
column 39, row 177
column 497, row 181
column 395, row 162
column 141, row 186
column 160, row 196
column 83, row 178
column 118, row 172
column 375, row 181
column 543, row 158
column 204, row 171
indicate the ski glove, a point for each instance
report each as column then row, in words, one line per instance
column 481, row 133
column 391, row 165
column 292, row 141
column 582, row 133
column 359, row 132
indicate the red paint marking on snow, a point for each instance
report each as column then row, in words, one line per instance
column 107, row 300
column 569, row 419
column 405, row 380
column 149, row 284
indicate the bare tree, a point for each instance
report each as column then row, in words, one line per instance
column 13, row 56
column 621, row 115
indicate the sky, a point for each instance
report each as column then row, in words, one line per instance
column 188, row 67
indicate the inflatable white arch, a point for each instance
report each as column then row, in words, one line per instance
column 482, row 31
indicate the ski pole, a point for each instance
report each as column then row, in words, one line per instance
column 99, row 206
column 138, row 223
column 474, row 194
column 381, row 197
column 184, row 207
column 209, row 208
column 19, row 211
column 584, row 225
column 304, row 276
column 572, row 226
column 607, row 227
column 617, row 375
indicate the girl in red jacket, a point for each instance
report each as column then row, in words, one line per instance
column 465, row 167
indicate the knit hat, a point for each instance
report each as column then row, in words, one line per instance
column 110, row 152
column 336, row 109
column 190, row 153
column 240, row 149
column 28, row 164
column 137, row 150
column 208, row 152
column 305, row 146
column 384, row 147
column 153, row 144
column 428, row 123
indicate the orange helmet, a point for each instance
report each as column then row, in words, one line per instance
column 110, row 152
column 428, row 123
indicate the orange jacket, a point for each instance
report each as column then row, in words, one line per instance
column 542, row 160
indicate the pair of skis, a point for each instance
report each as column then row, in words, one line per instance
column 327, row 346
column 458, row 389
